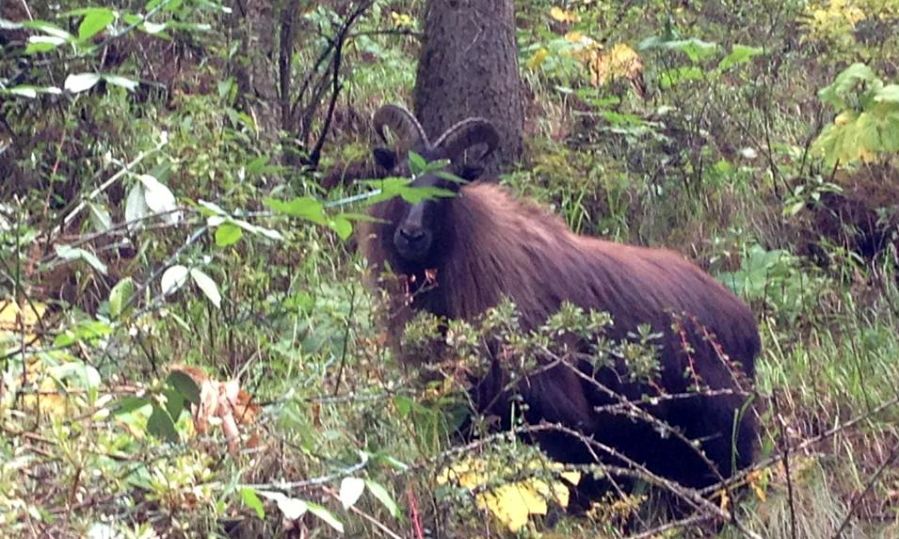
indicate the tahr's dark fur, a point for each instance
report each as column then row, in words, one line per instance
column 486, row 245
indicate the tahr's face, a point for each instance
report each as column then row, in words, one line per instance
column 416, row 230
column 419, row 227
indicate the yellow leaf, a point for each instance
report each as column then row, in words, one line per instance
column 15, row 319
column 512, row 504
column 620, row 62
column 725, row 500
column 562, row 15
column 755, row 481
column 578, row 38
column 537, row 59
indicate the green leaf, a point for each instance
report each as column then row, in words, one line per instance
column 116, row 80
column 379, row 492
column 100, row 217
column 185, row 385
column 173, row 279
column 249, row 497
column 161, row 425
column 306, row 208
column 95, row 21
column 174, row 403
column 129, row 404
column 86, row 330
column 695, row 49
column 48, row 28
column 888, row 94
column 673, row 77
column 38, row 44
column 159, row 198
column 351, row 489
column 342, row 226
column 67, row 252
column 81, row 82
column 227, row 234
column 153, row 28
column 136, row 206
column 291, row 508
column 120, row 296
column 403, row 405
column 417, row 163
column 208, row 286
column 24, row 91
column 739, row 54
column 325, row 515
column 845, row 83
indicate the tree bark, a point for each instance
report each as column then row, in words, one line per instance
column 469, row 67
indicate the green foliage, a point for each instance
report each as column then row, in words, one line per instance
column 776, row 280
column 867, row 125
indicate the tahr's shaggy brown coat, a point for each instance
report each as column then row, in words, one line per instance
column 487, row 245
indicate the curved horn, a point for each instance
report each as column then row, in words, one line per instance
column 401, row 122
column 467, row 133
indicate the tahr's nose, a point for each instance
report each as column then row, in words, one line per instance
column 412, row 235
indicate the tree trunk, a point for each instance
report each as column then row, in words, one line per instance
column 469, row 67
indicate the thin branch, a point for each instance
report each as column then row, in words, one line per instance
column 858, row 498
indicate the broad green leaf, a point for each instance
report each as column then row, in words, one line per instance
column 174, row 403
column 100, row 217
column 208, row 286
column 185, row 385
column 48, row 28
column 25, row 91
column 326, row 516
column 739, row 54
column 227, row 234
column 173, row 279
column 129, row 404
column 81, row 82
column 153, row 28
column 342, row 226
column 67, row 252
column 847, row 81
column 379, row 492
column 888, row 94
column 116, row 80
column 120, row 296
column 87, row 376
column 95, row 21
column 417, row 163
column 306, row 208
column 695, row 49
column 250, row 499
column 672, row 77
column 351, row 489
column 159, row 198
column 161, row 425
column 291, row 508
column 84, row 331
column 38, row 44
column 136, row 207
column 6, row 24
column 211, row 208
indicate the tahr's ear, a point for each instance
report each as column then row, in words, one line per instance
column 470, row 172
column 385, row 158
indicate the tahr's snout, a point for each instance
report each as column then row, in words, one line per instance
column 412, row 242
